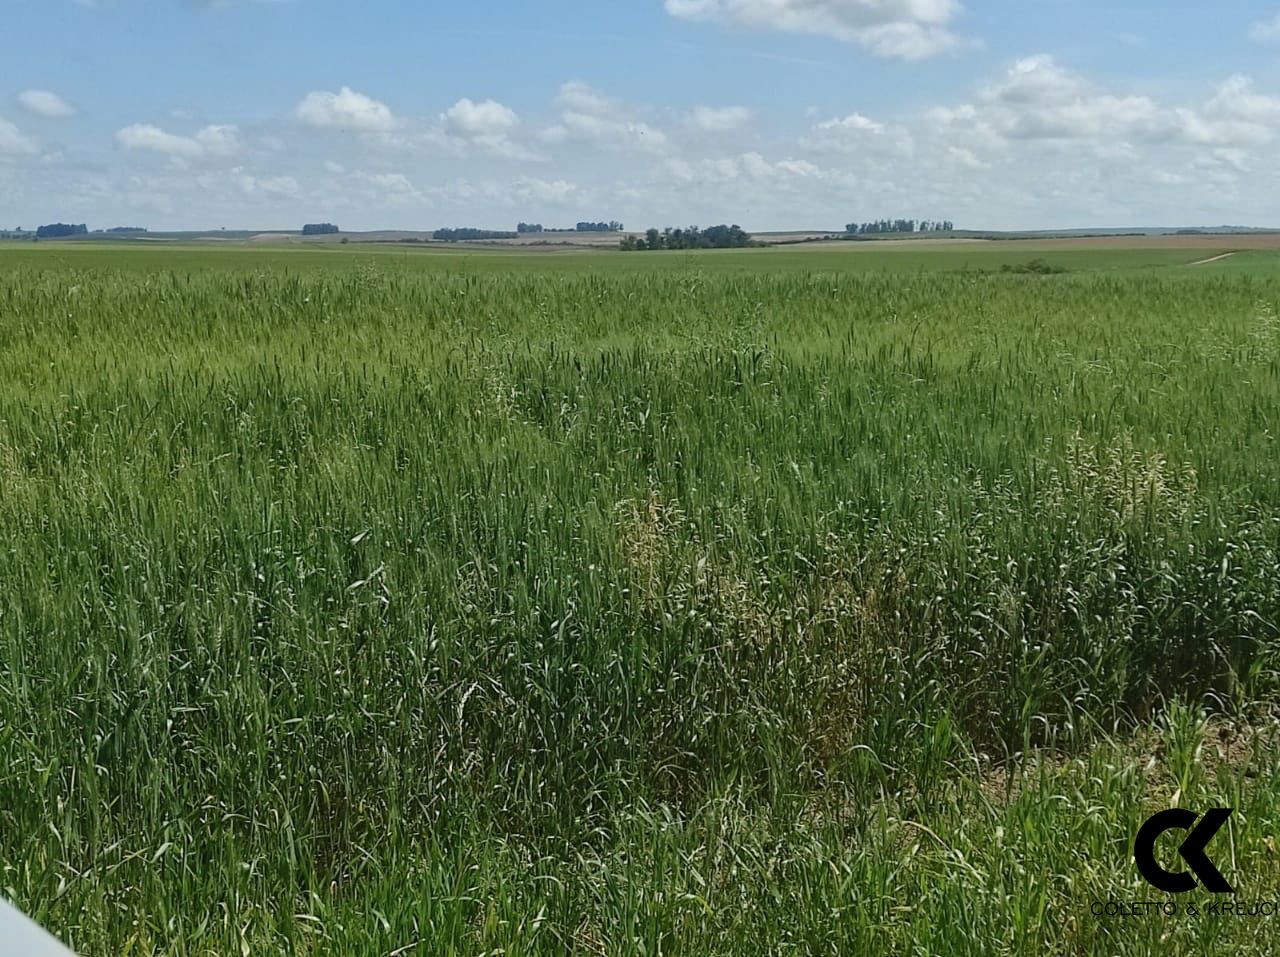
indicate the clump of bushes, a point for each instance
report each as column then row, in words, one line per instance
column 1036, row 267
column 713, row 237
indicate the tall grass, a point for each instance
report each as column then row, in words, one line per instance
column 463, row 612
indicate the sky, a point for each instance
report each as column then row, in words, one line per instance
column 774, row 114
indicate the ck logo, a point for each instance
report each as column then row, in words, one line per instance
column 1192, row 851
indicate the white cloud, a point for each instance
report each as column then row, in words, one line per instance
column 143, row 136
column 907, row 29
column 392, row 187
column 578, row 97
column 854, row 122
column 858, row 135
column 966, row 158
column 554, row 192
column 269, row 188
column 488, row 118
column 1039, row 100
column 1236, row 115
column 13, row 141
column 1266, row 31
column 605, row 133
column 219, row 140
column 346, row 110
column 1033, row 80
column 210, row 142
column 593, row 119
column 722, row 119
column 745, row 168
column 1237, row 97
column 45, row 104
column 487, row 126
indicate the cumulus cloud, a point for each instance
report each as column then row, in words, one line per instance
column 593, row 119
column 605, row 133
column 486, row 125
column 557, row 192
column 1040, row 100
column 13, row 142
column 854, row 122
column 395, row 188
column 1238, row 97
column 747, row 167
column 1236, row 115
column 1266, row 31
column 966, row 158
column 143, row 136
column 578, row 97
column 345, row 110
column 219, row 140
column 858, row 134
column 210, row 142
column 265, row 188
column 907, row 29
column 45, row 104
column 488, row 118
column 721, row 119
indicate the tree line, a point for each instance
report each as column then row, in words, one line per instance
column 900, row 226
column 61, row 231
column 469, row 233
column 319, row 229
column 713, row 237
column 613, row 226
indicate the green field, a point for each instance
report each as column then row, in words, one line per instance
column 753, row 603
column 855, row 257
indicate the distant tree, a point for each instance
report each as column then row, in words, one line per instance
column 690, row 237
column 890, row 226
column 127, row 229
column 610, row 227
column 726, row 237
column 1036, row 267
column 319, row 229
column 468, row 233
column 61, row 231
column 529, row 228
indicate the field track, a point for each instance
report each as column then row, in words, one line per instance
column 1213, row 259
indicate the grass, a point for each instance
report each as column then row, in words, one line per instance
column 806, row 259
column 723, row 604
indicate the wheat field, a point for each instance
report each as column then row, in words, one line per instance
column 769, row 603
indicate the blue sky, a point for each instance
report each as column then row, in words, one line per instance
column 771, row 113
